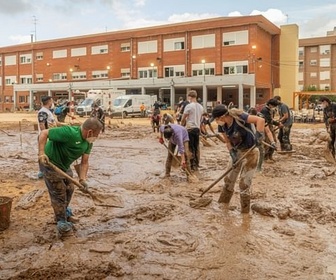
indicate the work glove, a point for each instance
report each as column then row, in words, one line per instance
column 259, row 138
column 43, row 159
column 84, row 184
column 233, row 155
column 273, row 144
column 161, row 140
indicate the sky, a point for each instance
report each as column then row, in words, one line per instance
column 54, row 19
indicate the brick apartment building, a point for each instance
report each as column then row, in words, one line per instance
column 316, row 68
column 227, row 59
column 317, row 63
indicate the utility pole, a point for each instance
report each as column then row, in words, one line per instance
column 35, row 22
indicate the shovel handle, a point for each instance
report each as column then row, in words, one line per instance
column 227, row 171
column 186, row 170
column 72, row 180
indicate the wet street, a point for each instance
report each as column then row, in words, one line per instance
column 147, row 229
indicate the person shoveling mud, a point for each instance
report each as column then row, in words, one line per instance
column 177, row 136
column 61, row 146
column 235, row 126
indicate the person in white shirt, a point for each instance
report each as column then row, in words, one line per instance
column 191, row 119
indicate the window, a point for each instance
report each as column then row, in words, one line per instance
column 125, row 47
column 241, row 69
column 301, row 65
column 174, row 71
column 324, row 75
column 300, row 76
column 313, row 62
column 179, row 46
column 313, row 49
column 26, row 80
column 125, row 72
column 143, row 74
column 23, row 99
column 78, row 75
column 301, row 51
column 206, row 69
column 78, row 52
column 25, row 59
column 235, row 67
column 203, row 41
column 147, row 73
column 39, row 56
column 10, row 60
column 325, row 87
column 59, row 76
column 169, row 71
column 39, row 77
column 173, row 44
column 313, row 74
column 324, row 49
column 100, row 74
column 325, row 62
column 147, row 47
column 9, row 80
column 235, row 38
column 99, row 49
column 0, row 62
column 60, row 54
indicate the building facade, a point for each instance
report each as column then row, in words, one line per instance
column 317, row 63
column 226, row 59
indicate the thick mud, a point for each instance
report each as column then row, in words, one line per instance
column 147, row 229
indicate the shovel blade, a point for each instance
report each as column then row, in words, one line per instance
column 200, row 202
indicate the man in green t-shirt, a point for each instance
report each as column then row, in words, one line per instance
column 62, row 146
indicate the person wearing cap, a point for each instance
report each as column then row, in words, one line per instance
column 266, row 112
column 236, row 127
column 98, row 113
column 285, row 125
column 191, row 119
column 177, row 135
column 329, row 118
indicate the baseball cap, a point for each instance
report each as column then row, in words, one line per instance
column 218, row 111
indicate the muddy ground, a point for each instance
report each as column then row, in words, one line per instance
column 152, row 232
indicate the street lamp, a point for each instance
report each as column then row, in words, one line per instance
column 152, row 65
column 203, row 62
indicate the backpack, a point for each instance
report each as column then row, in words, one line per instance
column 59, row 110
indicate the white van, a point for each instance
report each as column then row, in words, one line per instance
column 129, row 105
column 104, row 99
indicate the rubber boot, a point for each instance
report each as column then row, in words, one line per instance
column 167, row 170
column 225, row 196
column 245, row 201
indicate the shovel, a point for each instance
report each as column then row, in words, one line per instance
column 7, row 133
column 227, row 171
column 203, row 201
column 194, row 178
column 108, row 200
column 72, row 180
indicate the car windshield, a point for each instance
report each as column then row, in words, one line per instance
column 119, row 102
column 87, row 102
